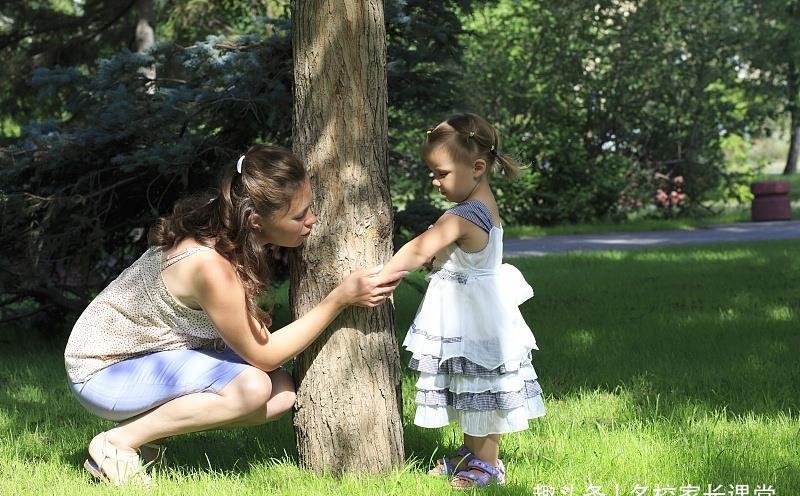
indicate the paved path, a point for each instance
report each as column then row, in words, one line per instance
column 742, row 231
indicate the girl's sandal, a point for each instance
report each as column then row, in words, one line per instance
column 444, row 466
column 466, row 479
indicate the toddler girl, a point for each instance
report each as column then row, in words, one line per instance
column 469, row 341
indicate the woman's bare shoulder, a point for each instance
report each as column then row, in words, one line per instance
column 204, row 272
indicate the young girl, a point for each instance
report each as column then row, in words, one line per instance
column 469, row 341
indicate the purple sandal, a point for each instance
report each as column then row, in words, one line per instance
column 445, row 468
column 490, row 474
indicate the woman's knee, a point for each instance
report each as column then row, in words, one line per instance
column 251, row 389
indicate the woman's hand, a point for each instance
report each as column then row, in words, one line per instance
column 365, row 288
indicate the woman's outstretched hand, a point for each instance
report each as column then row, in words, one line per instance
column 365, row 288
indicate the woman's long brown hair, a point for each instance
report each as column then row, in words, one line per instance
column 221, row 218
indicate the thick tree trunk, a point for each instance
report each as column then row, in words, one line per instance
column 794, row 146
column 347, row 415
column 145, row 38
column 793, row 81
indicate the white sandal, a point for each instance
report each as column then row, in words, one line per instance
column 107, row 463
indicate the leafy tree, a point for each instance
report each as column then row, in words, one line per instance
column 78, row 196
column 771, row 60
column 50, row 33
column 59, row 33
column 606, row 97
column 102, row 155
column 424, row 65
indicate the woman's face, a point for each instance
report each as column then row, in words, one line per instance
column 291, row 227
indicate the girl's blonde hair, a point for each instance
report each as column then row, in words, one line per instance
column 468, row 137
column 269, row 178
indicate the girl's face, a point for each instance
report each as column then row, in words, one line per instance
column 454, row 180
column 291, row 227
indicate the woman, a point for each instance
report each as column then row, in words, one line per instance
column 177, row 344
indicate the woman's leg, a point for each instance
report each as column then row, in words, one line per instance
column 253, row 397
column 281, row 401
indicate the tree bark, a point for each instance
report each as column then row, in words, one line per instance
column 793, row 98
column 145, row 38
column 794, row 144
column 347, row 415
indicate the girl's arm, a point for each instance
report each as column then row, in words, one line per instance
column 222, row 297
column 447, row 230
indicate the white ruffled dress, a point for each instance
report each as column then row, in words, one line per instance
column 469, row 342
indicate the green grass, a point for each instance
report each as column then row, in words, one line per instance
column 665, row 366
column 728, row 215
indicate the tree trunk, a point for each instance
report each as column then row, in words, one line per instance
column 794, row 145
column 145, row 38
column 347, row 415
column 793, row 81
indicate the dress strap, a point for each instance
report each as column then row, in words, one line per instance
column 474, row 211
column 177, row 257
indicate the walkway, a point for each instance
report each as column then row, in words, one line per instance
column 742, row 231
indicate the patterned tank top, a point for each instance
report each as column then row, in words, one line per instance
column 136, row 315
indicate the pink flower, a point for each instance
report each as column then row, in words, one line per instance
column 661, row 195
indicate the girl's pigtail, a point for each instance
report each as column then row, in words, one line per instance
column 510, row 166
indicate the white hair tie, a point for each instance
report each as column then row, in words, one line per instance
column 239, row 164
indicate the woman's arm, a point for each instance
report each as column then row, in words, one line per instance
column 447, row 230
column 222, row 297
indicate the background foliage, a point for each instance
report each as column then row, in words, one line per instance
column 614, row 105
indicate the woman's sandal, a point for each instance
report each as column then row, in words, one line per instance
column 445, row 468
column 466, row 479
column 109, row 464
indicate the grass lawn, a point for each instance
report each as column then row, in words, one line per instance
column 661, row 368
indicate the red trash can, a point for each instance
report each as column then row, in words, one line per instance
column 771, row 201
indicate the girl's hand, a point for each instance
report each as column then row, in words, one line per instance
column 365, row 288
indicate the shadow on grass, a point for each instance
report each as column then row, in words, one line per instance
column 43, row 420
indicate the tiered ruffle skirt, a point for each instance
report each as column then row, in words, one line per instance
column 472, row 350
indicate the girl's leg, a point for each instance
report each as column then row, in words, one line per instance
column 253, row 397
column 485, row 448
